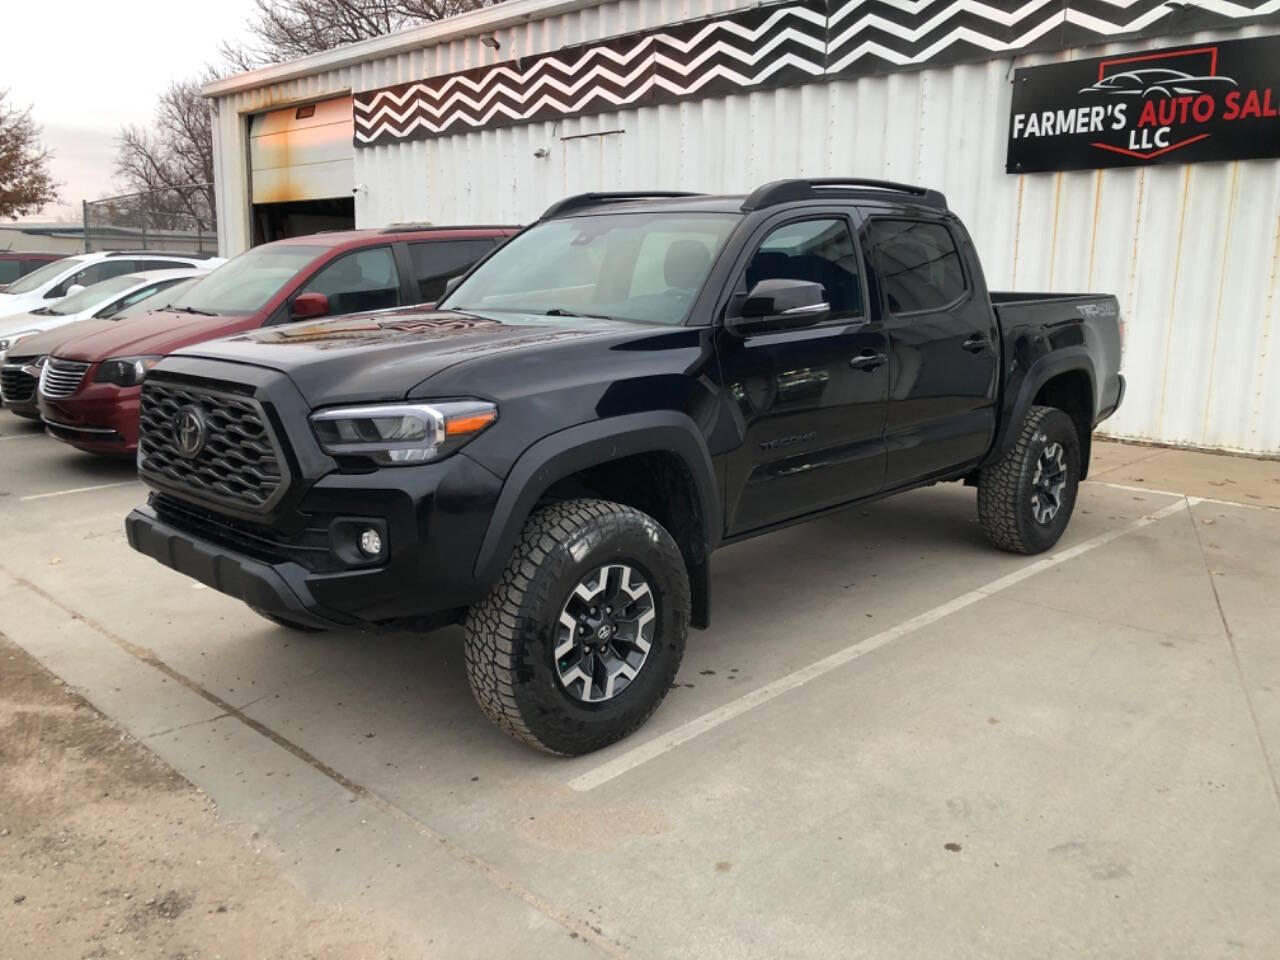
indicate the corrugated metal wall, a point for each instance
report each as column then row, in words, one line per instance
column 1193, row 252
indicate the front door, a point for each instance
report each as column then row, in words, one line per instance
column 943, row 343
column 809, row 402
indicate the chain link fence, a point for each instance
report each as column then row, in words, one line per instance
column 170, row 218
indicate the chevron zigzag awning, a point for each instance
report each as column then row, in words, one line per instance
column 777, row 45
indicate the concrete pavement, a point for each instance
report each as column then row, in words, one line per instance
column 894, row 741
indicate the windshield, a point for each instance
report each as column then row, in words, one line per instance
column 246, row 283
column 156, row 299
column 631, row 266
column 90, row 297
column 50, row 271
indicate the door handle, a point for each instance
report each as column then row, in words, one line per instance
column 867, row 360
column 977, row 343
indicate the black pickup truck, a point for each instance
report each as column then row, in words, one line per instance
column 552, row 454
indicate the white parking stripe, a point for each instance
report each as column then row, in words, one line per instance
column 656, row 747
column 1174, row 493
column 63, row 493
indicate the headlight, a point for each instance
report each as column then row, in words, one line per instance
column 6, row 343
column 125, row 371
column 398, row 434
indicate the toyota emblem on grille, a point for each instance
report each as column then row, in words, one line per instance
column 190, row 431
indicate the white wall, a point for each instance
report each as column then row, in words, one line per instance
column 1193, row 251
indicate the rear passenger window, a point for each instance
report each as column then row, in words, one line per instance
column 160, row 265
column 436, row 262
column 919, row 264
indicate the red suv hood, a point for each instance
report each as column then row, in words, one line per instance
column 156, row 334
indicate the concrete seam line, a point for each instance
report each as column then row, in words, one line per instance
column 1235, row 658
column 487, row 869
column 645, row 752
column 63, row 493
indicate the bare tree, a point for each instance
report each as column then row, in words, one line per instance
column 287, row 29
column 166, row 160
column 25, row 182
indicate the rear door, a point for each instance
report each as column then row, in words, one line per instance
column 810, row 401
column 942, row 346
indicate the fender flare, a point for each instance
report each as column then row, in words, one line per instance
column 564, row 453
column 1038, row 374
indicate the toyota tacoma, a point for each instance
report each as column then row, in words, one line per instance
column 551, row 455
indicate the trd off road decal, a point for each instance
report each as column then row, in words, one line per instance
column 1216, row 101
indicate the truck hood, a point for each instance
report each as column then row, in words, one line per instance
column 155, row 334
column 383, row 356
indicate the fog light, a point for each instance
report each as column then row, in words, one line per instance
column 371, row 542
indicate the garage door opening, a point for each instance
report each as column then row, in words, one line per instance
column 275, row 221
column 301, row 160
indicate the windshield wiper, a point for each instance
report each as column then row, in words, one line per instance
column 561, row 312
column 46, row 312
column 196, row 310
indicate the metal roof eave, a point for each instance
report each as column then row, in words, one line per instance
column 511, row 13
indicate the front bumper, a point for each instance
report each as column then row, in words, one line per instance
column 294, row 555
column 98, row 418
column 275, row 589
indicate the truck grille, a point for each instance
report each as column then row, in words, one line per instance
column 16, row 386
column 61, row 378
column 238, row 461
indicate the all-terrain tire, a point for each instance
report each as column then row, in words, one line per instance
column 511, row 636
column 1006, row 488
column 285, row 621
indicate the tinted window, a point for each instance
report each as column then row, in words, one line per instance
column 38, row 278
column 820, row 251
column 364, row 280
column 10, row 270
column 161, row 265
column 436, row 262
column 919, row 264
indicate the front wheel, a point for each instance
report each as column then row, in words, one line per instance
column 1025, row 499
column 580, row 640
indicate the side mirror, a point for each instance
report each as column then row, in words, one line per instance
column 780, row 304
column 308, row 306
column 74, row 289
column 450, row 285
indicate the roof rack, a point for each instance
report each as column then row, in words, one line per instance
column 581, row 200
column 187, row 254
column 790, row 191
column 426, row 226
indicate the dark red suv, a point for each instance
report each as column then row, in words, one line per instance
column 14, row 265
column 89, row 386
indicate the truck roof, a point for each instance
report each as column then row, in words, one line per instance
column 771, row 194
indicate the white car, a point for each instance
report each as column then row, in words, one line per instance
column 52, row 282
column 103, row 300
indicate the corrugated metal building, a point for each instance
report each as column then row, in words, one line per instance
column 491, row 116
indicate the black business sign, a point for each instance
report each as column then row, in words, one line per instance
column 1218, row 101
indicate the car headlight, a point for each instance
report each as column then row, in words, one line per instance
column 125, row 371
column 6, row 343
column 399, row 434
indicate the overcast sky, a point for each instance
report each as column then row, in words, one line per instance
column 90, row 67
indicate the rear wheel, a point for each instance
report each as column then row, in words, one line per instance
column 580, row 640
column 1026, row 498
